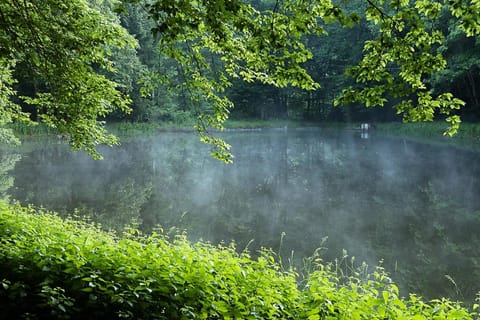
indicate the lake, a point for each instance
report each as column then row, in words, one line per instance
column 413, row 208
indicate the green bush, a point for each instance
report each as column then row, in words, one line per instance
column 53, row 268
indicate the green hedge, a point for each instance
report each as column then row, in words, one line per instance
column 52, row 268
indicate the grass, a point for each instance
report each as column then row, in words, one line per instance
column 132, row 128
column 467, row 137
column 430, row 129
column 252, row 124
column 53, row 268
column 22, row 129
column 128, row 128
column 418, row 129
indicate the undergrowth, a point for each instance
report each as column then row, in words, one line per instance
column 430, row 130
column 53, row 268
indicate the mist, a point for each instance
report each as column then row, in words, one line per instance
column 412, row 207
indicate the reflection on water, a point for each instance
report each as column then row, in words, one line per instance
column 7, row 164
column 414, row 206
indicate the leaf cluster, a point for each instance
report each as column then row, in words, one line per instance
column 69, row 269
column 72, row 270
column 398, row 63
column 60, row 46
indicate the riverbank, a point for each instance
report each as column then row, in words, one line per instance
column 71, row 269
column 418, row 129
column 468, row 136
column 430, row 129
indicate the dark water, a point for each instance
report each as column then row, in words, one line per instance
column 415, row 207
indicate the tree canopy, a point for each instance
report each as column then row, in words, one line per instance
column 61, row 48
column 67, row 52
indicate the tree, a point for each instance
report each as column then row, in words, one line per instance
column 61, row 46
column 461, row 76
column 243, row 42
column 266, row 46
column 399, row 61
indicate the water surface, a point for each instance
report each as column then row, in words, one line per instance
column 415, row 207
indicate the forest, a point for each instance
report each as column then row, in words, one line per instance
column 75, row 66
column 160, row 230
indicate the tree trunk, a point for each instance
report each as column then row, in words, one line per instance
column 473, row 88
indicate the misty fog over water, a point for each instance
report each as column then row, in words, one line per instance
column 416, row 207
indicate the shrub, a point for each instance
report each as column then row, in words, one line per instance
column 73, row 270
column 53, row 268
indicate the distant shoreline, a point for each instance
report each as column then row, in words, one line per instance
column 427, row 132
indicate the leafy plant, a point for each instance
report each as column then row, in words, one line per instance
column 69, row 269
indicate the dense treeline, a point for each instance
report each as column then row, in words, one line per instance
column 72, row 66
column 148, row 69
column 157, row 84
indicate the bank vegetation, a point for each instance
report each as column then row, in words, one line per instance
column 54, row 268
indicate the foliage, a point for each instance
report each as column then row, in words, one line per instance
column 397, row 63
column 68, row 269
column 266, row 41
column 242, row 42
column 72, row 65
column 58, row 47
column 9, row 111
column 461, row 74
